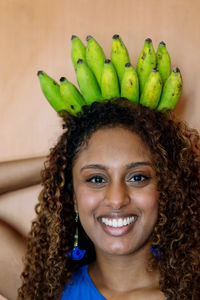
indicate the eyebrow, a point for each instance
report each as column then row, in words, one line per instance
column 138, row 164
column 94, row 166
column 129, row 166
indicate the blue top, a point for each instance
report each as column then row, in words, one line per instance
column 81, row 287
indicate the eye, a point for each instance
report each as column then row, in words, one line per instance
column 96, row 179
column 139, row 178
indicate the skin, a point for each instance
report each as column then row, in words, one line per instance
column 11, row 251
column 12, row 179
column 18, row 183
column 113, row 178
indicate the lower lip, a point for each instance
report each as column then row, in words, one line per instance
column 118, row 231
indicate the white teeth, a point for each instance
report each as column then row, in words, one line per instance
column 118, row 222
column 109, row 222
column 114, row 224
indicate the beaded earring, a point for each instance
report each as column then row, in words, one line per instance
column 76, row 253
column 156, row 251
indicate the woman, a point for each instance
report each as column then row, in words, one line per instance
column 132, row 175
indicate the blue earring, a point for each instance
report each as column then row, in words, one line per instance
column 76, row 253
column 156, row 251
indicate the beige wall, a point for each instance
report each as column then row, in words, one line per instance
column 36, row 35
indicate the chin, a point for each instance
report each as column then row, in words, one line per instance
column 119, row 250
column 122, row 249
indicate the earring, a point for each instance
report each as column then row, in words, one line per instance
column 76, row 253
column 156, row 251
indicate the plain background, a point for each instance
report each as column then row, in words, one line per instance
column 36, row 35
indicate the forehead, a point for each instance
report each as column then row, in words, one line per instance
column 114, row 144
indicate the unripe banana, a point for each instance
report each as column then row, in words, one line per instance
column 78, row 50
column 51, row 90
column 95, row 57
column 109, row 81
column 87, row 83
column 146, row 62
column 163, row 61
column 171, row 91
column 119, row 55
column 130, row 84
column 71, row 96
column 152, row 90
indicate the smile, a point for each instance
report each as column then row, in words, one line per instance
column 118, row 222
column 118, row 225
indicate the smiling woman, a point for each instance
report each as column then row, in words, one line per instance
column 115, row 184
column 131, row 174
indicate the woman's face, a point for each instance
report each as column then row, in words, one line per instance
column 115, row 191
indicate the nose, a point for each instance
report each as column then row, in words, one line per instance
column 117, row 195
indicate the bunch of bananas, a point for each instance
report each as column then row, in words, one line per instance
column 152, row 84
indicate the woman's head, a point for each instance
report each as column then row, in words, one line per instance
column 173, row 152
column 158, row 134
column 115, row 191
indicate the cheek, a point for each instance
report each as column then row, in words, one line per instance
column 87, row 200
column 148, row 202
column 88, row 203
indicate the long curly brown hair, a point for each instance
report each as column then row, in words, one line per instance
column 175, row 150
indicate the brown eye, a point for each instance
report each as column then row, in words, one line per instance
column 138, row 178
column 96, row 179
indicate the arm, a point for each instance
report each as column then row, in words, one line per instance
column 11, row 252
column 20, row 173
column 17, row 208
column 2, row 298
column 16, row 214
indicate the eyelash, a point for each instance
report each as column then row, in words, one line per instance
column 134, row 176
column 141, row 176
column 95, row 177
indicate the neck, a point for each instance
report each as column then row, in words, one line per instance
column 130, row 271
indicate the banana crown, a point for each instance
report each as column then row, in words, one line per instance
column 151, row 84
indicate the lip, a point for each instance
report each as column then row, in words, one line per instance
column 117, row 231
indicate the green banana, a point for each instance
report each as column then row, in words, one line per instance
column 119, row 55
column 130, row 84
column 71, row 96
column 78, row 50
column 51, row 91
column 171, row 91
column 163, row 61
column 95, row 57
column 87, row 83
column 109, row 81
column 146, row 62
column 152, row 90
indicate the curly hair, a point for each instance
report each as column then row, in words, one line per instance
column 175, row 150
